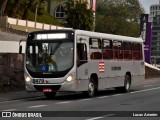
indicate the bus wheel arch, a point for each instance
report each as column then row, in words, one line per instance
column 94, row 77
column 129, row 74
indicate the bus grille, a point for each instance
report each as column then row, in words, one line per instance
column 53, row 87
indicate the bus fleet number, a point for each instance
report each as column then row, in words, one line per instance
column 38, row 81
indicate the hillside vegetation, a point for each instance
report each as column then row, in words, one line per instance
column 27, row 9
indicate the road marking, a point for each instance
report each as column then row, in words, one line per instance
column 147, row 85
column 9, row 110
column 146, row 90
column 103, row 97
column 63, row 102
column 36, row 106
column 117, row 95
column 95, row 118
column 84, row 100
column 110, row 96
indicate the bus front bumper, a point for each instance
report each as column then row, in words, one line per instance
column 63, row 87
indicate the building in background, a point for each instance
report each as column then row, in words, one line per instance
column 55, row 8
column 154, row 18
column 154, row 10
column 147, row 44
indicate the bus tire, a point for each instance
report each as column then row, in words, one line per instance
column 92, row 89
column 127, row 85
column 50, row 95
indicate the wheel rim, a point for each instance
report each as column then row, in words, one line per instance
column 91, row 89
column 127, row 83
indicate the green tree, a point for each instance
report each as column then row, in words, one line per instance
column 78, row 16
column 27, row 6
column 118, row 17
column 15, row 8
column 3, row 6
column 30, row 5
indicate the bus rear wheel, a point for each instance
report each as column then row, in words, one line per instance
column 50, row 95
column 127, row 85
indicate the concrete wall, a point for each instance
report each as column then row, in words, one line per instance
column 25, row 25
column 11, row 71
column 9, row 40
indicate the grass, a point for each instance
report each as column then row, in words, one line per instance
column 23, row 28
column 45, row 18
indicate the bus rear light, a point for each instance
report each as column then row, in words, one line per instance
column 47, row 90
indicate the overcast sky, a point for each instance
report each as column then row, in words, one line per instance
column 147, row 3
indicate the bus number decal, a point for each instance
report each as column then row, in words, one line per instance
column 101, row 67
column 38, row 81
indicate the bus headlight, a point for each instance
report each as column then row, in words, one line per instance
column 28, row 79
column 70, row 77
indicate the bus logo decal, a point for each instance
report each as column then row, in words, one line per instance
column 101, row 67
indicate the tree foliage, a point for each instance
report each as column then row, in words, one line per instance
column 32, row 5
column 3, row 5
column 118, row 17
column 25, row 6
column 78, row 16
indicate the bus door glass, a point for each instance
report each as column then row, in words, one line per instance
column 81, row 53
column 82, row 62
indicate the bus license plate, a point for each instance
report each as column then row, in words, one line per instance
column 47, row 90
column 38, row 81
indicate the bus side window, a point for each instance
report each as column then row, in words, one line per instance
column 81, row 51
column 137, row 51
column 127, row 50
column 95, row 48
column 107, row 50
column 118, row 50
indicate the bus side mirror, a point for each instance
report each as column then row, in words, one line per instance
column 20, row 49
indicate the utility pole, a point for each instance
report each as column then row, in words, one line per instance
column 1, row 14
column 36, row 13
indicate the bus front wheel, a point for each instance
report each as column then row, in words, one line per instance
column 92, row 90
column 50, row 95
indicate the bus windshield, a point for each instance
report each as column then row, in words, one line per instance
column 49, row 57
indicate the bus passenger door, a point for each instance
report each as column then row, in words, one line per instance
column 82, row 65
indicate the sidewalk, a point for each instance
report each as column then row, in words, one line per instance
column 24, row 94
column 19, row 95
column 151, row 80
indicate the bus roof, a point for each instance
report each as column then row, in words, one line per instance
column 109, row 36
column 95, row 35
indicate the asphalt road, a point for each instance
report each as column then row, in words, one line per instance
column 143, row 101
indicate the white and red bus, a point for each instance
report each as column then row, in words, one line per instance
column 78, row 60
